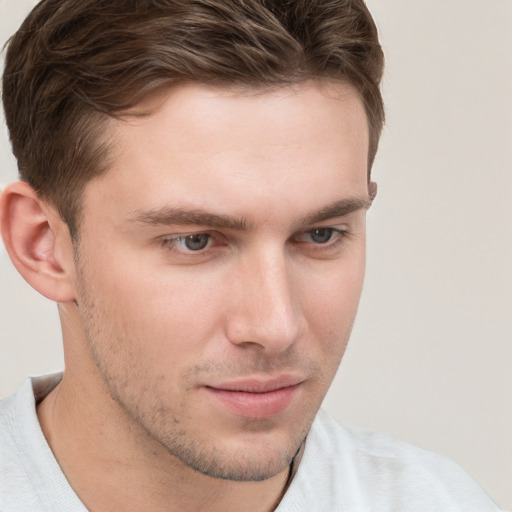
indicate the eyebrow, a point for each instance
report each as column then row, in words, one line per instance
column 196, row 217
column 338, row 209
column 188, row 217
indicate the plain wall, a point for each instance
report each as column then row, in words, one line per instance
column 430, row 358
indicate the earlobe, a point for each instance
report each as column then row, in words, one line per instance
column 31, row 233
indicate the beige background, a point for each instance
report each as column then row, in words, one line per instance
column 430, row 359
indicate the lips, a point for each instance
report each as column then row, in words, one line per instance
column 254, row 398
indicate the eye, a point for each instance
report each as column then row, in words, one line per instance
column 321, row 235
column 193, row 243
column 196, row 242
column 322, row 240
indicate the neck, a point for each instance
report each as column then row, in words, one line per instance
column 115, row 465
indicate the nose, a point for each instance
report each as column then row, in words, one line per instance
column 265, row 307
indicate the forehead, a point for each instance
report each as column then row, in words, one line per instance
column 222, row 148
column 191, row 110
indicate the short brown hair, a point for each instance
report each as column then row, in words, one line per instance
column 73, row 64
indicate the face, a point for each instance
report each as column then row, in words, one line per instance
column 220, row 265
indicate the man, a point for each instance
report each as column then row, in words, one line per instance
column 194, row 182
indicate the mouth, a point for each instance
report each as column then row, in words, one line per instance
column 256, row 398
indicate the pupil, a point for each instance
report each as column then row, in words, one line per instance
column 196, row 242
column 321, row 235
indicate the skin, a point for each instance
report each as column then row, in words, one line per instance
column 275, row 184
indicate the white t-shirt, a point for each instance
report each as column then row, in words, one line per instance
column 341, row 469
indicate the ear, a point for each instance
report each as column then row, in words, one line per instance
column 372, row 190
column 38, row 242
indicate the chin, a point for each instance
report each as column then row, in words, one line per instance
column 241, row 467
column 249, row 457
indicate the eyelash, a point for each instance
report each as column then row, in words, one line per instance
column 337, row 239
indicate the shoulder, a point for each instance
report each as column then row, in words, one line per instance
column 30, row 477
column 7, row 429
column 14, row 491
column 354, row 470
column 374, row 453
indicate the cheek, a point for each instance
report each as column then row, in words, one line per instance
column 332, row 303
column 164, row 311
column 145, row 332
column 336, row 285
